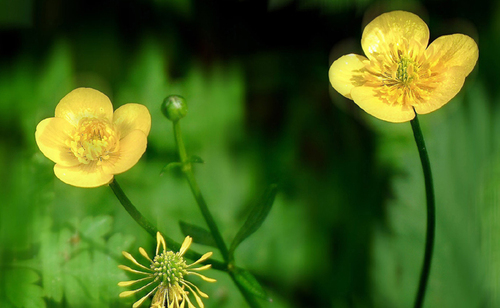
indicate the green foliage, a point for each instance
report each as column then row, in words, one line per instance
column 21, row 288
column 256, row 217
column 245, row 279
column 200, row 235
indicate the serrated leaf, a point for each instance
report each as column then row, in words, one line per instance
column 196, row 159
column 50, row 261
column 170, row 166
column 250, row 283
column 199, row 234
column 95, row 228
column 256, row 217
column 21, row 290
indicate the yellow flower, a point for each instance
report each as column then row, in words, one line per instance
column 88, row 142
column 167, row 270
column 400, row 74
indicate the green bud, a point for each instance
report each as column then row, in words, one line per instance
column 174, row 107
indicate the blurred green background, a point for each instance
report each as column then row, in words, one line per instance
column 347, row 227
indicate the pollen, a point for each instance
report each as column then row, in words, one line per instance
column 93, row 141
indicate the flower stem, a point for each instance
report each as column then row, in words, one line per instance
column 136, row 215
column 188, row 172
column 152, row 230
column 431, row 212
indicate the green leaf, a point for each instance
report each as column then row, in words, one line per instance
column 170, row 166
column 246, row 280
column 196, row 159
column 256, row 217
column 21, row 289
column 199, row 234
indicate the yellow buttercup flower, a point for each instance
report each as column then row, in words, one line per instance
column 400, row 74
column 88, row 142
column 168, row 271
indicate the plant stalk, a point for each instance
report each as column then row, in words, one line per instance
column 431, row 212
column 188, row 172
column 152, row 230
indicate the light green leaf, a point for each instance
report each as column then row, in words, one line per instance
column 256, row 217
column 170, row 166
column 199, row 234
column 196, row 159
column 21, row 290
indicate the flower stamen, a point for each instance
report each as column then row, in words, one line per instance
column 93, row 141
column 169, row 270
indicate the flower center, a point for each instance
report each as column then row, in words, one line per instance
column 169, row 267
column 405, row 71
column 93, row 140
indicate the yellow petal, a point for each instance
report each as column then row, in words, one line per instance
column 131, row 282
column 130, row 117
column 126, row 268
column 452, row 81
column 51, row 136
column 397, row 27
column 86, row 176
column 131, row 149
column 202, row 258
column 185, row 245
column 145, row 254
column 196, row 296
column 131, row 258
column 203, row 277
column 369, row 101
column 346, row 73
column 454, row 50
column 160, row 241
column 84, row 102
column 201, row 268
column 139, row 302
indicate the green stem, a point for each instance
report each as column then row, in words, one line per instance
column 188, row 172
column 151, row 229
column 136, row 215
column 431, row 212
column 214, row 230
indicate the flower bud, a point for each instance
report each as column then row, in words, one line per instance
column 174, row 107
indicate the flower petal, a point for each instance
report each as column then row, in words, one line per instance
column 126, row 268
column 185, row 245
column 84, row 102
column 345, row 73
column 454, row 50
column 207, row 279
column 131, row 258
column 452, row 81
column 131, row 149
column 202, row 258
column 397, row 27
column 160, row 241
column 130, row 117
column 131, row 282
column 83, row 175
column 145, row 254
column 366, row 98
column 51, row 136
